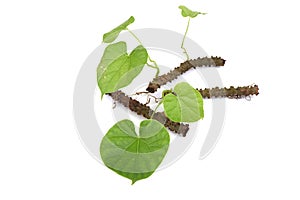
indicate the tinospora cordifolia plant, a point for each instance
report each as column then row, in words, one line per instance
column 137, row 155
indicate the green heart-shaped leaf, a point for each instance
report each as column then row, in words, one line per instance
column 117, row 69
column 185, row 105
column 111, row 53
column 135, row 156
column 185, row 12
column 113, row 34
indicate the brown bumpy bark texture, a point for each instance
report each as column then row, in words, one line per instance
column 231, row 92
column 184, row 67
column 146, row 111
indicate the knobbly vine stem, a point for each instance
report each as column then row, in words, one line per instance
column 146, row 111
column 230, row 92
column 183, row 40
column 155, row 66
column 163, row 79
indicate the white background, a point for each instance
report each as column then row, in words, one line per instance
column 42, row 47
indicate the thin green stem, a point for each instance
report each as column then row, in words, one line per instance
column 183, row 40
column 152, row 66
column 155, row 64
column 135, row 37
column 156, row 109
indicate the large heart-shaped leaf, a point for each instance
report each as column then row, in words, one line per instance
column 117, row 69
column 113, row 34
column 185, row 12
column 185, row 104
column 135, row 156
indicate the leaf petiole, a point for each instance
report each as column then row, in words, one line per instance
column 135, row 37
column 183, row 40
column 155, row 66
column 156, row 108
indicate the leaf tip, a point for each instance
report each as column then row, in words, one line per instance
column 133, row 182
column 103, row 38
column 131, row 19
column 202, row 116
column 102, row 94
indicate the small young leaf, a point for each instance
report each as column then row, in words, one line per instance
column 135, row 156
column 185, row 104
column 116, row 69
column 185, row 12
column 113, row 34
